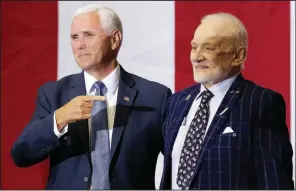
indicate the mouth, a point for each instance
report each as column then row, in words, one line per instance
column 82, row 55
column 201, row 67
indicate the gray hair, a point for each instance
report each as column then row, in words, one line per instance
column 240, row 32
column 109, row 19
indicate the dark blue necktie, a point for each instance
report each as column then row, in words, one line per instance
column 193, row 142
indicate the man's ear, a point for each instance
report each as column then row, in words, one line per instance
column 116, row 38
column 240, row 55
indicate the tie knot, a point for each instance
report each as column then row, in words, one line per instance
column 100, row 87
column 206, row 95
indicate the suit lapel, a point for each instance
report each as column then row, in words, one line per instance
column 125, row 100
column 231, row 97
column 77, row 88
column 222, row 114
column 184, row 102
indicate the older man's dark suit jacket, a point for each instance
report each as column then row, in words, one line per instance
column 257, row 155
column 136, row 140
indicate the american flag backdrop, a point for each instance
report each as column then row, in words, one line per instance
column 156, row 45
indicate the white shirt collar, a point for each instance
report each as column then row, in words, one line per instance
column 111, row 81
column 220, row 88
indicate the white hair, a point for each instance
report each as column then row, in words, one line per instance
column 240, row 32
column 110, row 21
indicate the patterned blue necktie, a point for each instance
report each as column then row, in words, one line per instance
column 99, row 139
column 193, row 141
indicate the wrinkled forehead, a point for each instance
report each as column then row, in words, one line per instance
column 214, row 32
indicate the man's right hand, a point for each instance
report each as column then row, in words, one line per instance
column 77, row 109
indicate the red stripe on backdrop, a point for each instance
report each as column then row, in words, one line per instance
column 268, row 25
column 29, row 59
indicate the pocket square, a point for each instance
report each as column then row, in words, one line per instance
column 227, row 130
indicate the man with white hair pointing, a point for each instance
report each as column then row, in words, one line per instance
column 101, row 128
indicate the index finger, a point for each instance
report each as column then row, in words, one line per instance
column 97, row 98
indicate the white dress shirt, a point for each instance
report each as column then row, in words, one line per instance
column 219, row 90
column 111, row 82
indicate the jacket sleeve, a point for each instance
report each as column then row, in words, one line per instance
column 38, row 138
column 272, row 148
column 164, row 117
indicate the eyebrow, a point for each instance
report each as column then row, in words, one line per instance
column 84, row 31
column 204, row 44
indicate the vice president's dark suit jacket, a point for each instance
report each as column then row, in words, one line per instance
column 136, row 140
column 257, row 155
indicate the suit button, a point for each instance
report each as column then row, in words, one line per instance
column 85, row 179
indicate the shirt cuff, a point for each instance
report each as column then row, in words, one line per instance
column 55, row 128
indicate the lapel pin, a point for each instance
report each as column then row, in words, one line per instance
column 187, row 98
column 126, row 98
column 234, row 92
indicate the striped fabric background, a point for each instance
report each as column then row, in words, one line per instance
column 156, row 45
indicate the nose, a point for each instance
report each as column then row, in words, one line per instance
column 200, row 58
column 82, row 45
column 197, row 55
column 79, row 43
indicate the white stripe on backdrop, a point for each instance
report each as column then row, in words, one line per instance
column 292, row 81
column 148, row 48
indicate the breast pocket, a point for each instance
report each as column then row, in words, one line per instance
column 234, row 134
column 226, row 140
